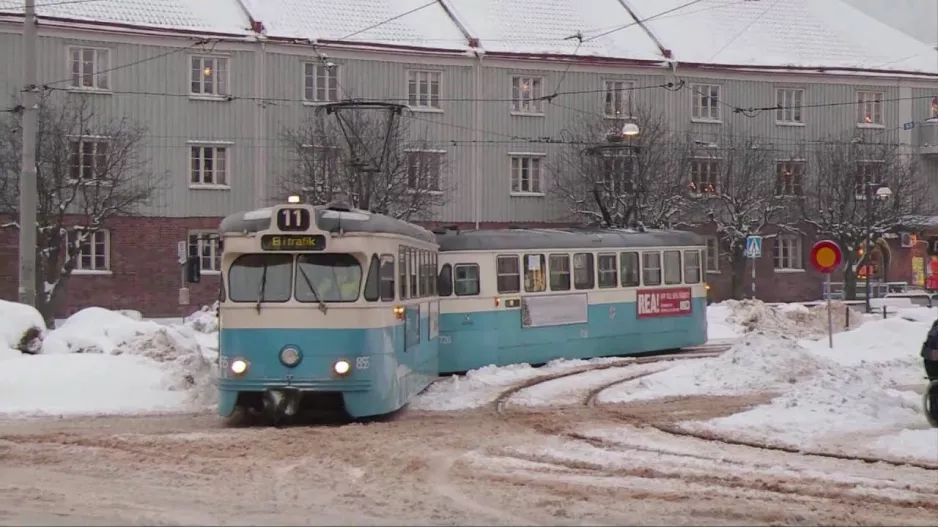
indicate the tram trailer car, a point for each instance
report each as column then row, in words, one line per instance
column 325, row 307
column 534, row 295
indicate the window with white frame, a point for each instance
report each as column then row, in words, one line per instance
column 208, row 165
column 94, row 249
column 704, row 176
column 712, row 262
column 209, row 76
column 789, row 178
column 619, row 175
column 870, row 108
column 206, row 246
column 423, row 89
column 320, row 82
column 526, row 94
column 526, row 174
column 706, row 102
column 425, row 170
column 788, row 252
column 790, row 103
column 618, row 99
column 90, row 68
column 867, row 176
column 88, row 159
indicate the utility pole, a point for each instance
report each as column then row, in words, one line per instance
column 28, row 185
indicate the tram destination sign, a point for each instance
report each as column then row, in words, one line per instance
column 293, row 242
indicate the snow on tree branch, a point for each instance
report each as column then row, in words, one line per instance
column 89, row 169
column 392, row 170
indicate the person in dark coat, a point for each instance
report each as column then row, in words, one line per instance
column 930, row 352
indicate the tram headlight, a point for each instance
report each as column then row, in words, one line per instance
column 290, row 356
column 342, row 367
column 239, row 366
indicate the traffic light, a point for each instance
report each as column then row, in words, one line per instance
column 193, row 270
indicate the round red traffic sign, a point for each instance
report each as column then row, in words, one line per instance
column 826, row 256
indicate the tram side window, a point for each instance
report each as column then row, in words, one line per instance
column 336, row 277
column 608, row 272
column 672, row 267
column 445, row 281
column 261, row 278
column 584, row 275
column 535, row 269
column 651, row 268
column 433, row 273
column 387, row 277
column 467, row 279
column 421, row 273
column 559, row 272
column 411, row 272
column 691, row 267
column 630, row 270
column 507, row 274
column 402, row 271
column 373, row 284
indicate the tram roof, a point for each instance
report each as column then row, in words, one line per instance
column 329, row 219
column 532, row 239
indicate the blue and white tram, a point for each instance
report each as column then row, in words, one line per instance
column 325, row 308
column 535, row 295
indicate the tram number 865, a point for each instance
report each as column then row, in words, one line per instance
column 362, row 363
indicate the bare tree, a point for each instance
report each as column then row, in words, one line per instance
column 841, row 202
column 376, row 166
column 89, row 169
column 736, row 189
column 612, row 179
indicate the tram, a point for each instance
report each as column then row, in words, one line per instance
column 325, row 308
column 534, row 295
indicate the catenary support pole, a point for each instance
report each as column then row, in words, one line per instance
column 28, row 184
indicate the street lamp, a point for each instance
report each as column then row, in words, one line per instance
column 881, row 193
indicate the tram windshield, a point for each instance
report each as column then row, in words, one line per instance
column 261, row 278
column 334, row 277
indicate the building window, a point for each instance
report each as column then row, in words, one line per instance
column 206, row 247
column 706, row 102
column 619, row 175
column 209, row 76
column 87, row 159
column 526, row 175
column 618, row 99
column 788, row 252
column 319, row 165
column 789, row 178
column 320, row 83
column 423, row 89
column 870, row 108
column 713, row 255
column 790, row 103
column 704, row 176
column 867, row 175
column 209, row 165
column 94, row 250
column 424, row 170
column 526, row 93
column 90, row 68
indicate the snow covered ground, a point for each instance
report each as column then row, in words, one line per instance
column 105, row 362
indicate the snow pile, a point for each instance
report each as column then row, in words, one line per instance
column 867, row 392
column 482, row 386
column 793, row 320
column 21, row 329
column 102, row 361
column 758, row 362
column 718, row 328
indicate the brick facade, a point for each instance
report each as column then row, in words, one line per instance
column 144, row 274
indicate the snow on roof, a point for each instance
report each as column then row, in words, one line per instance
column 546, row 27
column 214, row 16
column 799, row 33
column 359, row 21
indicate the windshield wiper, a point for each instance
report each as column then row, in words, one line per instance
column 322, row 305
column 260, row 292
